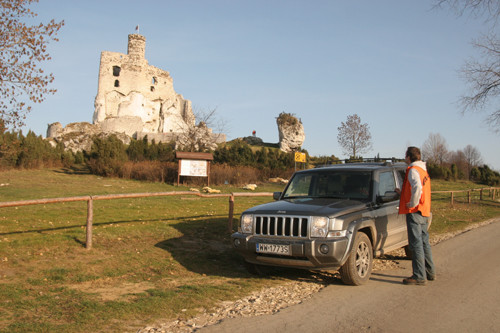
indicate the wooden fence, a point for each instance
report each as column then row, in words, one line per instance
column 91, row 198
column 469, row 193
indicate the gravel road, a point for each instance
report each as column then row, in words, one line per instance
column 464, row 298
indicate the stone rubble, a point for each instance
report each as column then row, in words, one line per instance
column 266, row 301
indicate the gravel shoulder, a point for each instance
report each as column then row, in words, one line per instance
column 272, row 300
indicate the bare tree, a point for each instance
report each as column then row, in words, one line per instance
column 458, row 158
column 489, row 9
column 435, row 149
column 354, row 137
column 200, row 138
column 483, row 79
column 481, row 76
column 22, row 49
column 473, row 158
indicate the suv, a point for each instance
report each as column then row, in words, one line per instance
column 329, row 218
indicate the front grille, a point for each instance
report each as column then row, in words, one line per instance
column 283, row 226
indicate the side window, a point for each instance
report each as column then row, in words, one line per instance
column 401, row 176
column 387, row 182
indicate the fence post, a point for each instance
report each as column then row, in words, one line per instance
column 494, row 190
column 231, row 213
column 90, row 217
column 481, row 194
column 469, row 196
column 452, row 198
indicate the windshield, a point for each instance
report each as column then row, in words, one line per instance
column 336, row 184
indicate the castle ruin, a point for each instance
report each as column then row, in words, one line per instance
column 135, row 97
column 138, row 100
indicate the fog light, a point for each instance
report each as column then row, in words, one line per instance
column 324, row 248
column 237, row 242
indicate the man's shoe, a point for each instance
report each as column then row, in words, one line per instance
column 413, row 281
column 431, row 278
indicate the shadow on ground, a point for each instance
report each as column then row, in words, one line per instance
column 75, row 170
column 205, row 248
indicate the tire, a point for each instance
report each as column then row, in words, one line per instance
column 358, row 267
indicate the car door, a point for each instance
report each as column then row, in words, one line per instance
column 391, row 227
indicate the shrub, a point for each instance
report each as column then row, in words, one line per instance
column 488, row 176
column 107, row 156
column 287, row 119
column 30, row 151
column 438, row 172
column 153, row 171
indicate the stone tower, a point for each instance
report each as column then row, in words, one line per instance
column 137, row 99
column 136, row 46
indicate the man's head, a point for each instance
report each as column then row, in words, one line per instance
column 413, row 154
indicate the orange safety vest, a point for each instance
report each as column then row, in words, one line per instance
column 424, row 205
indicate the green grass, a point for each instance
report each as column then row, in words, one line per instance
column 152, row 258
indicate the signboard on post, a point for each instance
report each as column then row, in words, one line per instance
column 300, row 157
column 194, row 165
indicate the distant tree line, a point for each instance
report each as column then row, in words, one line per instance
column 111, row 157
column 31, row 151
column 153, row 161
column 460, row 164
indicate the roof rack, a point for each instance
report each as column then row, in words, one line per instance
column 367, row 161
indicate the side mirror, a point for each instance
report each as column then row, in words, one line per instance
column 276, row 195
column 388, row 197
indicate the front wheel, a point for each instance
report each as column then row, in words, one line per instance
column 358, row 267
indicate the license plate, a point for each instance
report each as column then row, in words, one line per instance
column 273, row 248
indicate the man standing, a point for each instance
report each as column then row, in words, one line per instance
column 415, row 202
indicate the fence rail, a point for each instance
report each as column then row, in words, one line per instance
column 491, row 192
column 91, row 198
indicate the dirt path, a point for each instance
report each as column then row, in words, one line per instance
column 464, row 298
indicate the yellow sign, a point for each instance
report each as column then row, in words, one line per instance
column 300, row 157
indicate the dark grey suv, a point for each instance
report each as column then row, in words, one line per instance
column 330, row 218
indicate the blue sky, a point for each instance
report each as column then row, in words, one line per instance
column 394, row 63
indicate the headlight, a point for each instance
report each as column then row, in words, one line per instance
column 246, row 223
column 319, row 226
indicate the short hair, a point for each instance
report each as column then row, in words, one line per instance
column 413, row 153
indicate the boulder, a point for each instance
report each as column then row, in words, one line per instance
column 291, row 132
column 278, row 180
column 250, row 187
column 207, row 189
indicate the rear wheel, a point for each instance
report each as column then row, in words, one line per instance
column 358, row 267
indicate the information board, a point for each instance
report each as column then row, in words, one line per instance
column 194, row 168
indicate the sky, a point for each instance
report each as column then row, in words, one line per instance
column 394, row 63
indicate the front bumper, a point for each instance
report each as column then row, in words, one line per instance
column 305, row 253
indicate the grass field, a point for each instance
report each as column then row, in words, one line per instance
column 152, row 258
